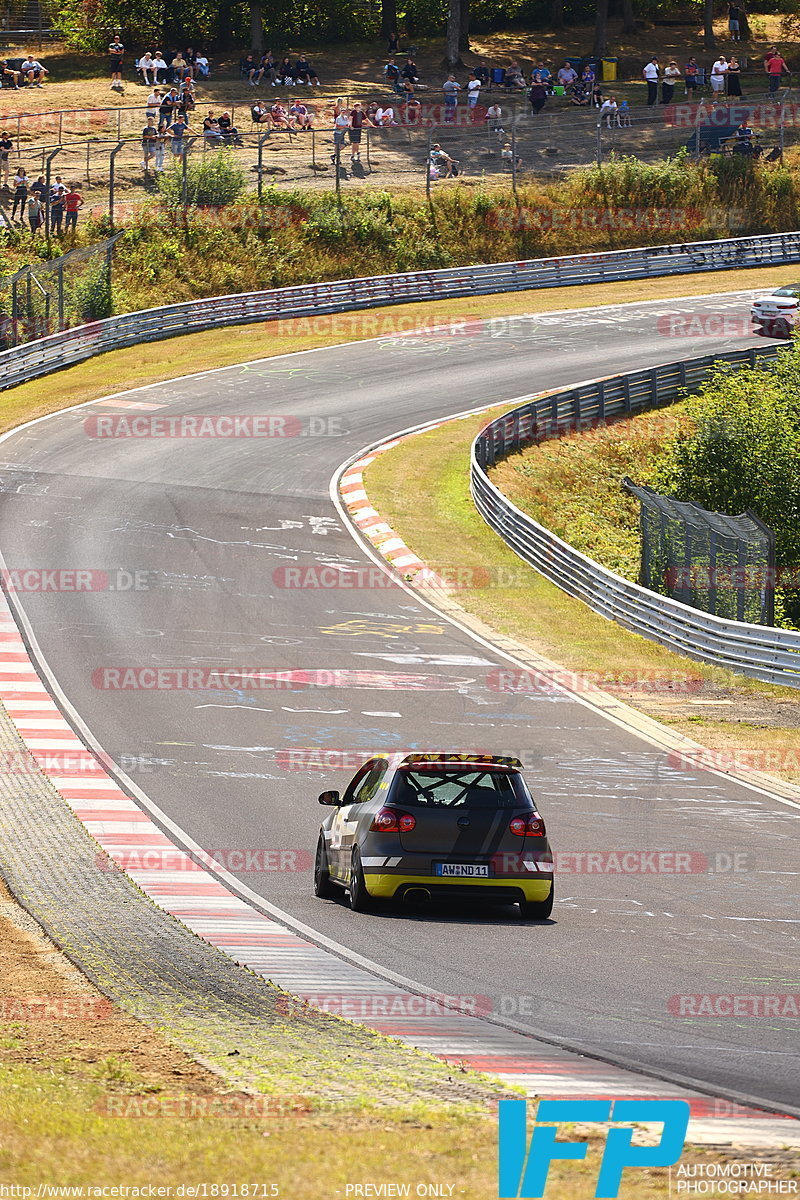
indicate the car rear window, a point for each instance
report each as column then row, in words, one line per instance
column 791, row 290
column 425, row 788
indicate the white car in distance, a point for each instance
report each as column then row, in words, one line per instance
column 777, row 315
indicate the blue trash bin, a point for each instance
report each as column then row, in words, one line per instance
column 498, row 76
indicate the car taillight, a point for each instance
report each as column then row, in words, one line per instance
column 391, row 820
column 532, row 826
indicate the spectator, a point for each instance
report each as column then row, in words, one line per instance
column 442, row 163
column 537, row 94
column 161, row 143
column 57, row 194
column 579, row 95
column 180, row 68
column 7, row 74
column 774, row 65
column 734, row 22
column 177, row 129
column 567, row 75
column 187, row 97
column 451, row 89
column 385, row 116
column 32, row 71
column 412, row 110
column 672, row 74
column 744, row 139
column 624, row 114
column 146, row 68
column 407, row 91
column 153, row 103
column 392, row 72
column 650, row 74
column 304, row 72
column 608, row 111
column 6, row 146
column 341, row 124
column 482, row 73
column 40, row 188
column 212, row 133
column 149, row 139
column 393, row 45
column 160, row 65
column 514, row 75
column 301, row 115
column 73, row 201
column 508, row 159
column 409, row 71
column 733, row 79
column 191, row 60
column 267, row 67
column 473, row 90
column 286, row 72
column 170, row 103
column 494, row 119
column 252, row 70
column 544, row 74
column 356, row 125
column 21, row 184
column 116, row 54
column 259, row 112
column 279, row 116
column 690, row 77
column 597, row 96
column 203, row 66
column 230, row 134
column 588, row 77
column 35, row 212
column 718, row 73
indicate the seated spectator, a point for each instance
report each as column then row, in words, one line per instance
column 567, row 75
column 8, row 76
column 624, row 114
column 212, row 132
column 412, row 111
column 744, row 139
column 579, row 95
column 588, row 77
column 494, row 119
column 161, row 67
column 251, row 70
column 301, row 115
column 482, row 72
column 187, row 96
column 286, row 72
column 230, row 134
column 259, row 112
column 407, row 91
column 267, row 67
column 393, row 44
column 441, row 162
column 180, row 68
column 371, row 111
column 32, row 72
column 280, row 117
column 514, row 75
column 191, row 60
column 392, row 73
column 304, row 72
column 203, row 65
column 147, row 69
column 385, row 116
column 508, row 158
column 409, row 70
column 597, row 96
column 608, row 111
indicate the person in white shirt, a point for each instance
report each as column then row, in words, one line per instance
column 473, row 90
column 32, row 71
column 385, row 116
column 718, row 73
column 146, row 67
column 160, row 66
column 203, row 66
column 650, row 74
column 608, row 109
column 153, row 103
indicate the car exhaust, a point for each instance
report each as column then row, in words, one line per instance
column 415, row 896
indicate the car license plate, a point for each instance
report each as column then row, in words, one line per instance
column 462, row 870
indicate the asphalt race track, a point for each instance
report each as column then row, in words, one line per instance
column 213, row 523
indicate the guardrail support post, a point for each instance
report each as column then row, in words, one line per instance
column 261, row 142
column 112, row 167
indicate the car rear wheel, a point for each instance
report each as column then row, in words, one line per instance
column 360, row 899
column 537, row 910
column 322, row 879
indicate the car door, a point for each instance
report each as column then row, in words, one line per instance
column 360, row 791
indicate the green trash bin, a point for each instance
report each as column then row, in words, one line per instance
column 609, row 69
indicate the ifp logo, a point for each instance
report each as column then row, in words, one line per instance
column 523, row 1170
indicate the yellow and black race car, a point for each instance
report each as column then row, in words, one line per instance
column 418, row 826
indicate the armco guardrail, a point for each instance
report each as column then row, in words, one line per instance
column 346, row 295
column 772, row 655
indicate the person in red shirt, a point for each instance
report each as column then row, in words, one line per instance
column 72, row 202
column 775, row 66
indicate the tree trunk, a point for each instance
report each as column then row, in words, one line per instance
column 601, row 29
column 463, row 37
column 256, row 28
column 557, row 14
column 628, row 18
column 388, row 17
column 451, row 56
column 709, row 41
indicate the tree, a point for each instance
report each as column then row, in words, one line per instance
column 463, row 39
column 388, row 17
column 628, row 17
column 709, row 41
column 452, row 58
column 601, row 29
column 256, row 27
column 557, row 14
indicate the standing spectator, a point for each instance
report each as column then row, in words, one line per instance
column 537, row 94
column 146, row 67
column 116, row 54
column 494, row 119
column 734, row 21
column 160, row 64
column 57, row 194
column 286, row 72
column 153, row 103
column 304, row 72
column 73, row 201
column 412, row 109
column 21, row 184
column 170, row 103
column 39, row 188
column 7, row 74
column 690, row 76
column 32, row 71
column 356, row 125
column 566, row 75
column 718, row 73
column 340, row 126
column 733, row 79
column 650, row 74
column 6, row 146
column 672, row 74
column 178, row 129
column 187, row 97
column 149, row 139
column 161, row 142
column 775, row 66
column 473, row 90
column 35, row 212
column 451, row 89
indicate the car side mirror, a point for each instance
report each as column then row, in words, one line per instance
column 331, row 798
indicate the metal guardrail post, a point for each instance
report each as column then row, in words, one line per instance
column 262, row 139
column 112, row 168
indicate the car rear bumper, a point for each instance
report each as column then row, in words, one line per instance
column 508, row 888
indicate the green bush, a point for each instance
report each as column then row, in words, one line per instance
column 213, row 179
